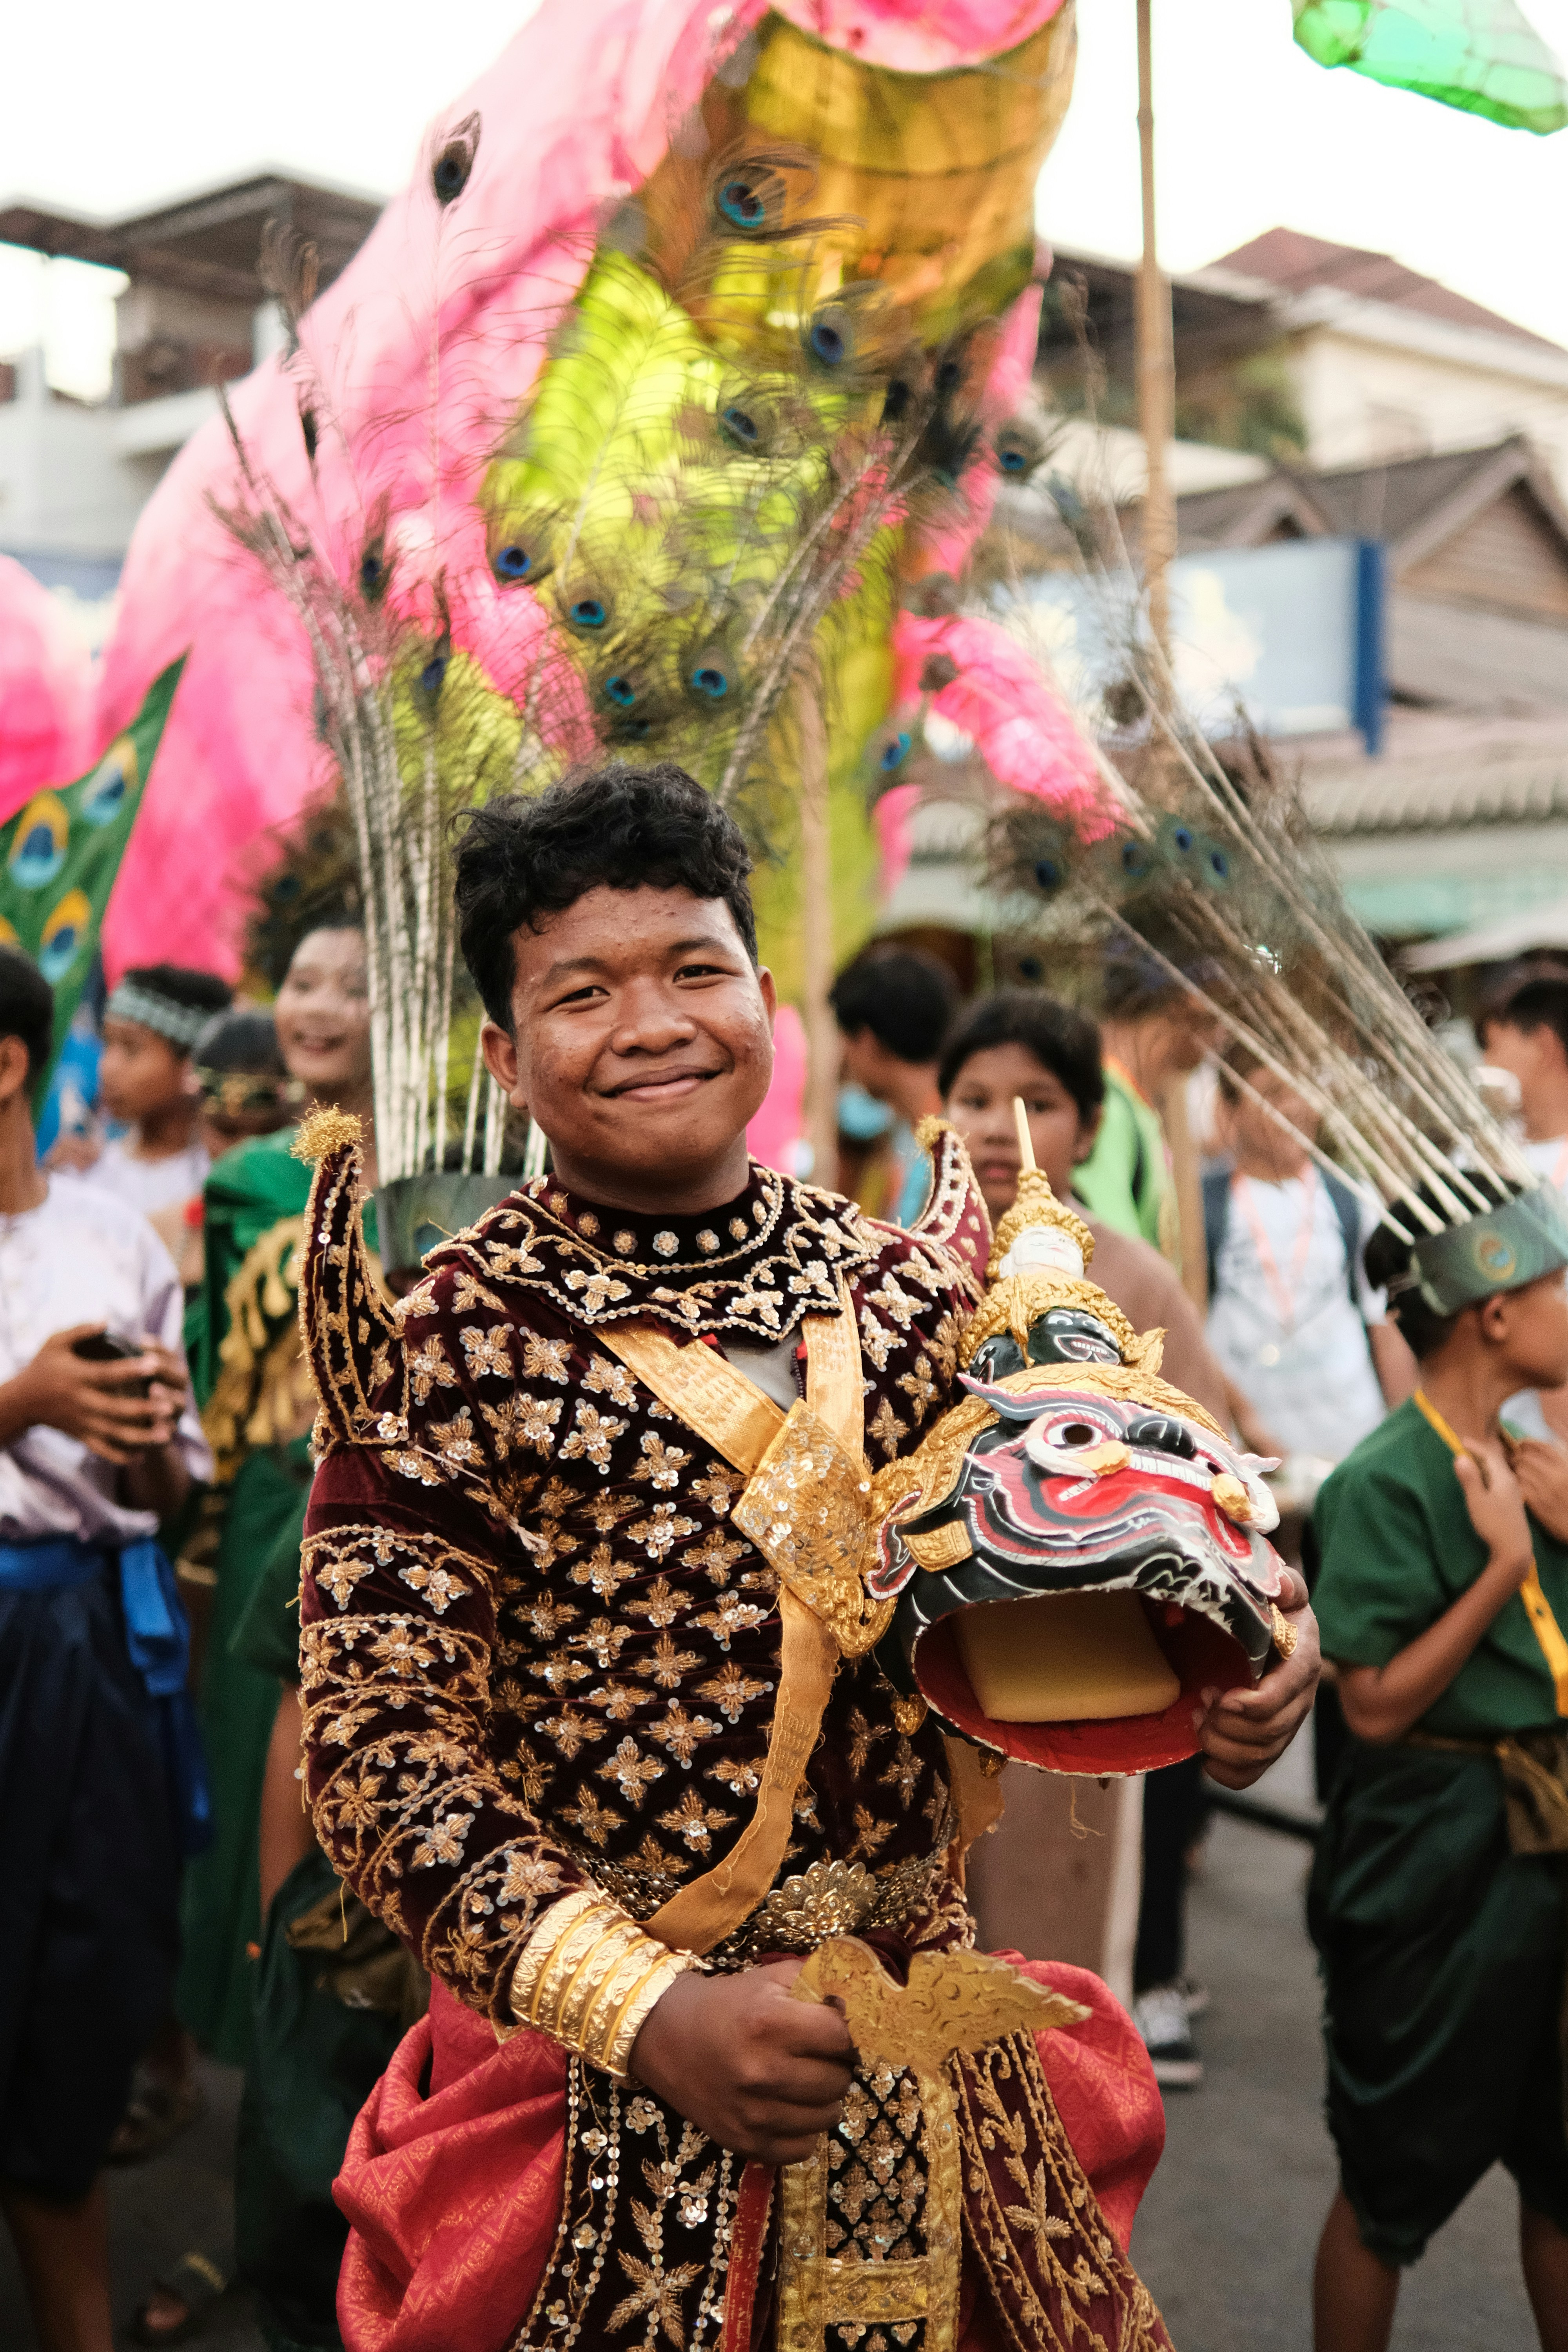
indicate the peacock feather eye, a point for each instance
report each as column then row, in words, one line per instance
column 621, row 690
column 709, row 677
column 591, row 612
column 452, row 164
column 829, row 338
column 373, row 569
column 894, row 752
column 433, row 674
column 740, row 204
column 1135, row 860
column 740, row 425
column 512, row 561
column 1049, row 873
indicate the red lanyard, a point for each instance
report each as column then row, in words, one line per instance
column 1284, row 1294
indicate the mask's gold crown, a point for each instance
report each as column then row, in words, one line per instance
column 1037, row 1209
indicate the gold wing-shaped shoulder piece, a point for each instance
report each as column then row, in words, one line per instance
column 350, row 1333
column 954, row 2001
column 955, row 1217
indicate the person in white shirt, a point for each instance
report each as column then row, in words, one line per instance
column 1528, row 1036
column 1312, row 1360
column 147, row 1078
column 100, row 1781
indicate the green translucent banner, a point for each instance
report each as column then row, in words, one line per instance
column 1482, row 55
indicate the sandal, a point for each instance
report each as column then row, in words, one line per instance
column 157, row 2112
column 195, row 2282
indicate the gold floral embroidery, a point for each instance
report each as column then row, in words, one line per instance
column 545, row 1359
column 665, row 1664
column 920, row 1387
column 694, row 1823
column 428, row 1368
column 718, row 1490
column 606, row 1378
column 715, row 1557
column 595, row 1821
column 869, row 1834
column 435, row 1585
column 602, row 1571
column 340, row 1575
column 619, row 1700
column 887, row 1428
column 631, row 1770
column 876, row 1341
column 455, row 1438
column 524, row 1422
column 737, row 1774
column 467, row 1293
column 660, row 1531
column 659, row 1604
column 680, row 1732
column 487, row 1352
column 570, row 1731
column 662, row 1463
column 593, row 1435
column 443, row 1842
column 604, row 1640
column 731, row 1691
column 730, row 1616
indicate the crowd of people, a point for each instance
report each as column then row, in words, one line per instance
column 167, row 1891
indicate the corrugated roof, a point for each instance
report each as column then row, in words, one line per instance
column 1294, row 262
column 1483, row 785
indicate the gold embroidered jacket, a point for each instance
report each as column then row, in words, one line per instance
column 537, row 1655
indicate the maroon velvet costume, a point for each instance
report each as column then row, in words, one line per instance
column 537, row 1657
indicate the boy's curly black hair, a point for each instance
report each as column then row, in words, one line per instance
column 615, row 828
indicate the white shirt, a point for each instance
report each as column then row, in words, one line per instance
column 80, row 1258
column 146, row 1185
column 1283, row 1324
column 1550, row 1160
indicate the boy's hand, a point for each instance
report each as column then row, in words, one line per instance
column 1496, row 1506
column 758, row 2073
column 1242, row 1732
column 1542, row 1473
column 95, row 1403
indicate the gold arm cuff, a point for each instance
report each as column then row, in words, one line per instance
column 588, row 1977
column 615, row 2056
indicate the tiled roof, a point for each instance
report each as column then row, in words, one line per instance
column 1296, row 263
column 1497, row 783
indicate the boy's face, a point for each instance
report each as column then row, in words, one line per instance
column 1264, row 1141
column 1534, row 1056
column 980, row 1106
column 642, row 1044
column 1531, row 1325
column 141, row 1074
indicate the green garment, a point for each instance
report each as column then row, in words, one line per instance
column 1442, row 1956
column 1398, row 1549
column 254, row 1200
column 220, row 1904
column 1125, row 1181
column 316, row 2061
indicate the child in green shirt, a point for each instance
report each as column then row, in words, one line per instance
column 1437, row 1894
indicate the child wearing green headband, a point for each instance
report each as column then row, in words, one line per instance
column 1437, row 1893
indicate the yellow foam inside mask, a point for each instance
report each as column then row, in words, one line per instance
column 1065, row 1657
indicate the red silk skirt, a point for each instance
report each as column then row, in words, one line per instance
column 453, row 2178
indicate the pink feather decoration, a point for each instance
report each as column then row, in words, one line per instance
column 46, row 692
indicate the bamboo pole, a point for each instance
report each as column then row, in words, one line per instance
column 822, row 1043
column 1156, row 364
column 1157, row 422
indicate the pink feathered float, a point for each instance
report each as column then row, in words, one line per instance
column 423, row 351
column 46, row 691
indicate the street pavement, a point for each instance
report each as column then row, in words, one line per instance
column 1227, row 2232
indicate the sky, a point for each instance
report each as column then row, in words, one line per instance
column 106, row 109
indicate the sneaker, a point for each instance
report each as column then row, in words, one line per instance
column 1161, row 2016
column 1195, row 1995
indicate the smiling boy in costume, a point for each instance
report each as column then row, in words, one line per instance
column 568, row 1733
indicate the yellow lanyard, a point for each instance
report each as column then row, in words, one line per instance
column 1537, row 1608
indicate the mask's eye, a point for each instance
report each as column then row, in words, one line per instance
column 1163, row 1432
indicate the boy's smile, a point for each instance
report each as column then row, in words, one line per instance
column 641, row 1044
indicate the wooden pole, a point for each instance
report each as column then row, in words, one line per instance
column 1156, row 364
column 822, row 1042
column 1157, row 421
